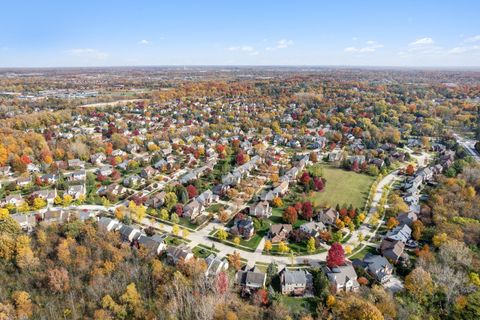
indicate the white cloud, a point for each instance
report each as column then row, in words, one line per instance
column 473, row 39
column 421, row 42
column 88, row 53
column 144, row 42
column 460, row 50
column 242, row 48
column 369, row 47
column 284, row 43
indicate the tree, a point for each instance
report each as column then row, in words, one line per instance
column 277, row 202
column 305, row 179
column 419, row 283
column 174, row 218
column 236, row 240
column 222, row 234
column 311, row 245
column 290, row 215
column 67, row 200
column 356, row 308
column 392, row 223
column 410, row 170
column 282, row 247
column 185, row 233
column 170, row 200
column 234, row 260
column 132, row 299
column 192, row 191
column 268, row 246
column 348, row 249
column 336, row 255
column 23, row 304
column 272, row 271
column 417, row 229
column 307, row 210
column 24, row 257
column 175, row 229
column 39, row 203
column 439, row 239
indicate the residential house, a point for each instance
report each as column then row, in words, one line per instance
column 105, row 170
column 13, row 199
column 407, row 218
column 97, row 158
column 23, row 181
column 400, row 233
column 5, row 171
column 295, row 282
column 193, row 209
column 155, row 243
column 47, row 195
column 313, row 228
column 76, row 164
column 207, row 197
column 77, row 191
column 129, row 233
column 49, row 178
column 342, row 278
column 26, row 221
column 133, row 181
column 279, row 232
column 175, row 253
column 79, row 175
column 215, row 265
column 377, row 266
column 109, row 224
column 243, row 228
column 281, row 189
column 250, row 279
column 261, row 210
column 157, row 200
column 148, row 172
column 392, row 250
column 328, row 217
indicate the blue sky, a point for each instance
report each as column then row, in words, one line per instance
column 118, row 33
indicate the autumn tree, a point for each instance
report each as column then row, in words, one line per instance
column 290, row 215
column 419, row 283
column 336, row 255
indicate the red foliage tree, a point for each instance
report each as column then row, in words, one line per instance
column 290, row 215
column 179, row 209
column 298, row 206
column 240, row 158
column 336, row 255
column 26, row 159
column 222, row 282
column 307, row 210
column 192, row 191
column 305, row 178
column 355, row 166
column 318, row 184
column 343, row 212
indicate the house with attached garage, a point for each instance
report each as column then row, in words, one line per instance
column 342, row 278
column 157, row 200
column 215, row 265
column 377, row 266
column 392, row 250
column 261, row 210
column 193, row 209
column 26, row 221
column 295, row 282
column 23, row 181
column 207, row 197
column 76, row 164
column 250, row 279
column 243, row 228
column 47, row 195
column 328, row 217
column 155, row 243
column 313, row 228
column 279, row 232
column 400, row 233
column 97, row 158
column 109, row 224
column 79, row 175
column 77, row 191
column 14, row 200
column 177, row 253
column 129, row 233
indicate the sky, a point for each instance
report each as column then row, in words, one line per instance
column 74, row 33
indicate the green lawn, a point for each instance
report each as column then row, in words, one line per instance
column 343, row 187
column 360, row 255
column 300, row 305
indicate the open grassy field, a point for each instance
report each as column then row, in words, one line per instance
column 343, row 187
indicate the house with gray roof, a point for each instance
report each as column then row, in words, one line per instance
column 295, row 282
column 400, row 233
column 250, row 279
column 343, row 278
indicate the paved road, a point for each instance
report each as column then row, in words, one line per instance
column 469, row 145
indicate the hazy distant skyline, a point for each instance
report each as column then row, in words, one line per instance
column 347, row 33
